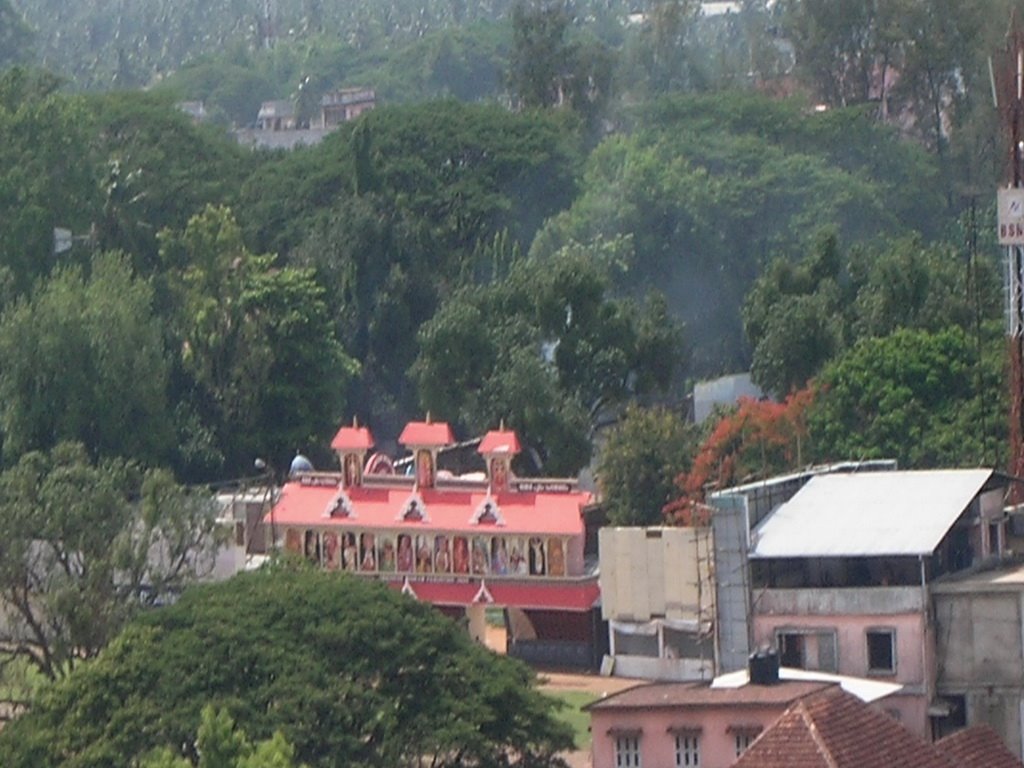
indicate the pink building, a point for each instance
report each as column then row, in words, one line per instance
column 462, row 543
column 688, row 725
column 840, row 575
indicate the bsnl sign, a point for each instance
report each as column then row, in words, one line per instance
column 1011, row 216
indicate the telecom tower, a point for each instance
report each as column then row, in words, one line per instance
column 1008, row 92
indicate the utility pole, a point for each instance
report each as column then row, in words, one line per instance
column 1008, row 94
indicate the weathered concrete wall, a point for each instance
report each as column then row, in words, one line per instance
column 656, row 572
column 980, row 656
column 876, row 601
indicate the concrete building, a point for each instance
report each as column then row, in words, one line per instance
column 657, row 594
column 737, row 511
column 345, row 104
column 979, row 620
column 276, row 115
column 841, row 574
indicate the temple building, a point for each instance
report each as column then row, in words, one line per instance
column 476, row 545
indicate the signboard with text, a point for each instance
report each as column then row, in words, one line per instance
column 1011, row 216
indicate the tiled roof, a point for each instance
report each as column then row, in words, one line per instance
column 679, row 695
column 978, row 747
column 833, row 729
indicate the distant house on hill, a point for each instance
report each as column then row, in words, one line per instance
column 276, row 115
column 345, row 104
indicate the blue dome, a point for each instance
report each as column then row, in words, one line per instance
column 300, row 464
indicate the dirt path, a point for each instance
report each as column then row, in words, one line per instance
column 591, row 683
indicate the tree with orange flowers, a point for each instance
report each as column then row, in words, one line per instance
column 757, row 439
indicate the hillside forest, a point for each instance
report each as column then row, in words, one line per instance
column 559, row 215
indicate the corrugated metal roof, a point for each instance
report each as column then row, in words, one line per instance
column 873, row 514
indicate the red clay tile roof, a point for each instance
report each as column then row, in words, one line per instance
column 426, row 433
column 678, row 695
column 834, row 729
column 979, row 747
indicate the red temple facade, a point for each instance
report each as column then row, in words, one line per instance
column 462, row 543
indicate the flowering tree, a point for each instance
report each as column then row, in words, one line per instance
column 757, row 439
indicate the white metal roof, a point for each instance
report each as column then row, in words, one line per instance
column 870, row 514
column 864, row 689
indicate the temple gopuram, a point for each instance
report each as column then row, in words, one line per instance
column 477, row 545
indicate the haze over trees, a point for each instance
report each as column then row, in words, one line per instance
column 640, row 143
column 558, row 212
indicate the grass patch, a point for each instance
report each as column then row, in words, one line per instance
column 572, row 714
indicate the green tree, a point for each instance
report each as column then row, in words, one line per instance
column 350, row 672
column 541, row 60
column 546, row 349
column 709, row 189
column 911, row 284
column 794, row 317
column 846, row 50
column 639, row 462
column 257, row 341
column 920, row 397
column 85, row 546
column 156, row 170
column 220, row 745
column 548, row 69
column 47, row 174
column 800, row 315
column 84, row 360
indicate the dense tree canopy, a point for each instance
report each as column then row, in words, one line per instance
column 221, row 745
column 709, row 189
column 801, row 314
column 84, row 360
column 349, row 671
column 639, row 460
column 545, row 349
column 256, row 340
column 923, row 398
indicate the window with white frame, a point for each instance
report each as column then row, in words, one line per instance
column 627, row 750
column 881, row 651
column 687, row 749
